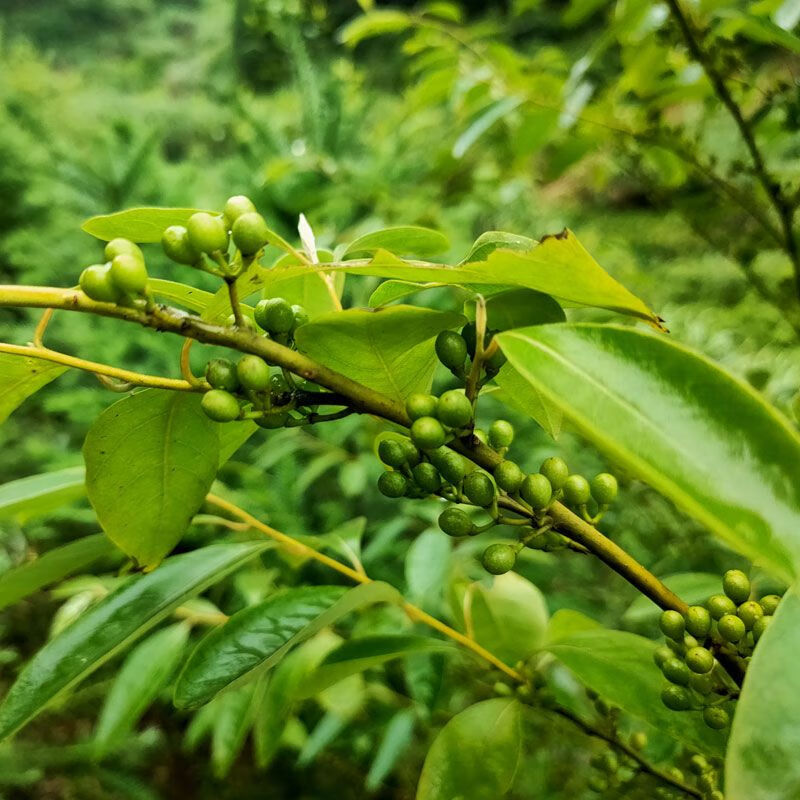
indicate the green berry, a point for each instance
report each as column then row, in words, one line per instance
column 731, row 628
column 456, row 522
column 236, row 206
column 698, row 765
column 250, row 233
column 609, row 762
column 638, row 740
column 301, row 316
column 220, row 405
column 576, row 490
column 672, row 624
column 760, row 626
column 392, row 452
column 419, row 405
column 676, row 671
column 498, row 558
column 715, row 717
column 501, row 433
column 770, row 604
column 392, row 484
column 676, row 698
column 698, row 621
column 749, row 612
column 413, row 456
column 221, row 374
column 427, row 433
column 274, row 315
column 702, row 684
column 451, row 350
column 454, row 409
column 470, row 336
column 176, row 244
column 597, row 783
column 537, row 491
column 508, row 476
column 495, row 361
column 426, row 476
column 207, row 232
column 689, row 642
column 736, row 585
column 120, row 246
column 253, row 373
column 604, row 488
column 555, row 469
column 128, row 273
column 96, row 283
column 719, row 605
column 662, row 654
column 450, row 464
column 699, row 660
column 273, row 420
column 478, row 487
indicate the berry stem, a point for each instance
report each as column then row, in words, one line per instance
column 186, row 368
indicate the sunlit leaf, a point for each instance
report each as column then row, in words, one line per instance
column 20, row 377
column 404, row 240
column 35, row 495
column 137, row 224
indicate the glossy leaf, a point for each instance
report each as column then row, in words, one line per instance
column 257, row 638
column 518, row 308
column 476, row 755
column 389, row 350
column 490, row 241
column 761, row 762
column 51, row 567
column 692, row 587
column 27, row 498
column 396, row 739
column 20, row 377
column 150, row 461
column 403, row 240
column 389, row 291
column 519, row 393
column 137, row 224
column 696, row 434
column 114, row 623
column 231, row 726
column 145, row 672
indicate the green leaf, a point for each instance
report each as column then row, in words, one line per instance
column 699, row 436
column 255, row 639
column 758, row 29
column 427, row 564
column 324, row 733
column 566, row 622
column 396, row 739
column 476, row 755
column 27, row 498
column 52, row 567
column 389, row 350
column 518, row 308
column 344, row 540
column 404, row 240
column 487, row 117
column 389, row 291
column 761, row 762
column 20, row 377
column 490, row 241
column 693, row 587
column 619, row 666
column 520, row 394
column 317, row 291
column 137, row 224
column 144, row 673
column 231, row 725
column 150, row 461
column 375, row 23
column 114, row 623
column 179, row 293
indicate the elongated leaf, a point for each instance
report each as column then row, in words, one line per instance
column 257, row 638
column 35, row 495
column 494, row 112
column 693, row 587
column 116, row 621
column 389, row 349
column 426, row 567
column 231, row 726
column 137, row 224
column 404, row 240
column 21, row 377
column 324, row 733
column 376, row 22
column 490, row 241
column 396, row 740
column 476, row 755
column 53, row 566
column 150, row 460
column 619, row 666
column 761, row 762
column 144, row 674
column 185, row 296
column 389, row 291
column 677, row 421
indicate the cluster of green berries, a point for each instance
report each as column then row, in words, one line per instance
column 729, row 623
column 456, row 351
column 122, row 278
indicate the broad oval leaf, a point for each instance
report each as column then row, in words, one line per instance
column 150, row 461
column 476, row 755
column 20, row 377
column 702, row 438
column 762, row 762
column 403, row 240
column 255, row 639
column 140, row 225
column 26, row 498
column 114, row 623
column 692, row 587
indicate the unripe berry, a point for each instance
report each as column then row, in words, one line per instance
column 662, row 654
column 698, row 764
column 715, row 717
column 760, row 626
column 207, row 232
column 672, row 624
column 478, row 487
column 451, row 350
column 638, row 740
column 698, row 621
column 176, row 244
column 220, row 405
column 508, row 476
column 427, row 433
column 456, row 522
column 300, row 316
column 419, row 405
column 221, row 374
column 576, row 490
column 120, row 246
column 128, row 273
column 597, row 783
column 689, row 642
column 253, row 373
column 498, row 558
column 451, row 465
column 247, row 324
column 413, row 456
column 270, row 421
column 676, row 698
column 470, row 336
column 699, row 660
column 609, row 762
column 604, row 488
column 96, row 283
column 236, row 206
column 555, row 469
column 676, row 671
column 495, row 361
column 537, row 491
column 274, row 315
column 501, row 433
column 749, row 612
column 731, row 628
column 454, row 409
column 392, row 452
column 702, row 684
column 426, row 476
column 736, row 585
column 392, row 484
column 719, row 605
column 770, row 604
column 250, row 233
